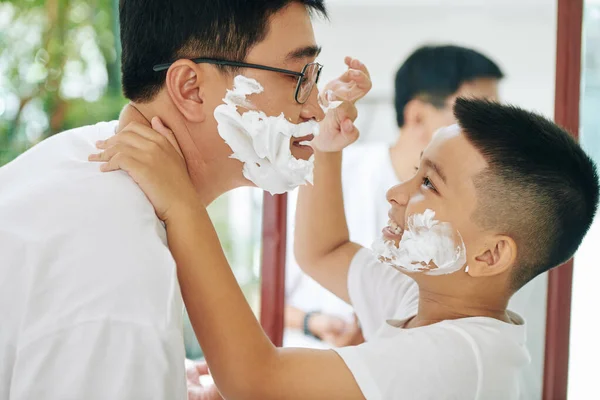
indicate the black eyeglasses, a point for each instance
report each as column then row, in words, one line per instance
column 307, row 79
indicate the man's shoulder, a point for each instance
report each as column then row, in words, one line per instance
column 55, row 180
column 75, row 142
column 89, row 133
column 60, row 155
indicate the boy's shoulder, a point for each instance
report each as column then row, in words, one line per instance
column 465, row 358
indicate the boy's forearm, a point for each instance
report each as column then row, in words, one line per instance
column 238, row 352
column 243, row 361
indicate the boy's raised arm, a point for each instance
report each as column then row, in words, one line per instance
column 322, row 243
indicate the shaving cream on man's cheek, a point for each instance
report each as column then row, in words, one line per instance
column 427, row 246
column 261, row 142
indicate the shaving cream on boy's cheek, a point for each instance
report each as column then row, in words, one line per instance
column 427, row 246
column 261, row 142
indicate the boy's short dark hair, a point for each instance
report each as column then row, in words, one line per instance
column 540, row 187
column 161, row 31
column 434, row 73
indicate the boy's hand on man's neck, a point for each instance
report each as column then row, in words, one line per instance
column 130, row 114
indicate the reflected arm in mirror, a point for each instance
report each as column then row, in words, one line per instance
column 326, row 327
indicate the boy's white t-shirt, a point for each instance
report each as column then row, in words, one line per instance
column 470, row 358
column 89, row 298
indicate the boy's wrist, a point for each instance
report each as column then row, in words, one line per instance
column 185, row 211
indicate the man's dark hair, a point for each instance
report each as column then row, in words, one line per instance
column 540, row 187
column 160, row 31
column 434, row 73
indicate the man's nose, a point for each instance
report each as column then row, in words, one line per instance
column 311, row 109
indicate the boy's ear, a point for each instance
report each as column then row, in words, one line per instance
column 495, row 258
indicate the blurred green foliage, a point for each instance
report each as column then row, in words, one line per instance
column 59, row 69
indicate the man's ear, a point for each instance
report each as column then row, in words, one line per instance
column 497, row 257
column 185, row 85
column 414, row 113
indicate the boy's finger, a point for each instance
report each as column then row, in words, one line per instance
column 362, row 80
column 120, row 161
column 350, row 132
column 345, row 111
column 144, row 131
column 355, row 63
column 158, row 125
column 129, row 138
column 109, row 153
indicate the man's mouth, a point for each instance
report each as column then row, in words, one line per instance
column 303, row 142
column 301, row 147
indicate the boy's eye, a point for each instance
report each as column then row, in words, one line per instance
column 427, row 183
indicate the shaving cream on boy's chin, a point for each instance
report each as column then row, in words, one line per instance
column 426, row 246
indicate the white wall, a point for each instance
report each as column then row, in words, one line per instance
column 383, row 33
column 520, row 35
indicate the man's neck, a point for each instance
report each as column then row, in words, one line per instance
column 405, row 155
column 211, row 173
column 436, row 307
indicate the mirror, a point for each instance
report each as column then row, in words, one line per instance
column 520, row 36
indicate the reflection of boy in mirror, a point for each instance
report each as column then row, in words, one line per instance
column 426, row 86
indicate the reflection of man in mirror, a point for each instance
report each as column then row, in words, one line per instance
column 426, row 86
column 89, row 296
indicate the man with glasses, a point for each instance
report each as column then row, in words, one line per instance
column 307, row 78
column 89, row 296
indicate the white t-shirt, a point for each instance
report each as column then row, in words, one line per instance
column 89, row 297
column 367, row 174
column 470, row 358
